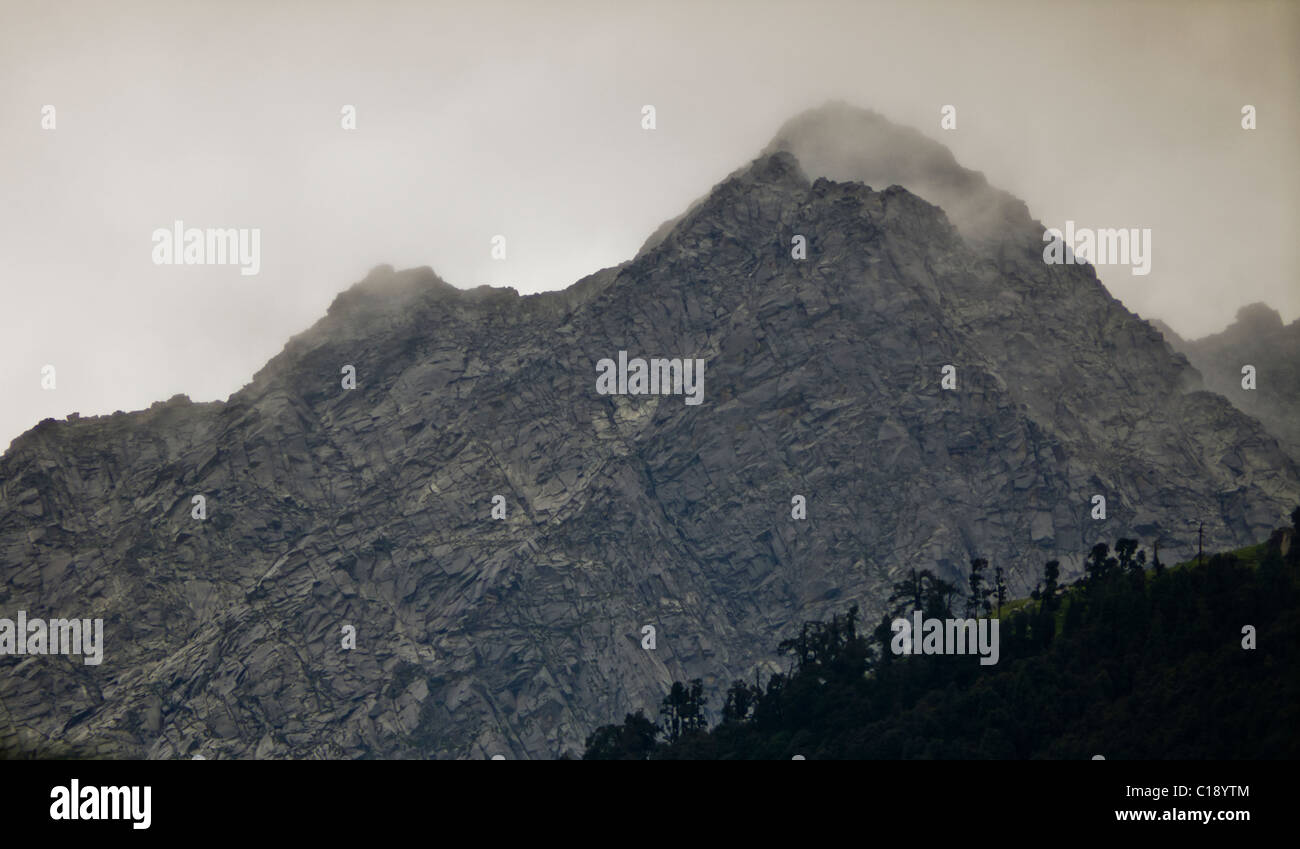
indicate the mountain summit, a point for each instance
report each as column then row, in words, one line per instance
column 848, row 144
column 496, row 535
column 1259, row 340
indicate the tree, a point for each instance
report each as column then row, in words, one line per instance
column 683, row 710
column 829, row 646
column 1073, row 616
column 977, row 601
column 939, row 595
column 909, row 593
column 1051, row 575
column 1124, row 551
column 694, row 717
column 999, row 588
column 1099, row 563
column 741, row 701
column 1293, row 553
column 634, row 740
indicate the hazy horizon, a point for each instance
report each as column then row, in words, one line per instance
column 502, row 118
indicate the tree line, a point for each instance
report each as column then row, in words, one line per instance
column 1133, row 660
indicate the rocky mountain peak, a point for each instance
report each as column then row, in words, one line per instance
column 841, row 142
column 1258, row 318
column 1257, row 339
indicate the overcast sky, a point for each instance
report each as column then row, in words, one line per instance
column 524, row 119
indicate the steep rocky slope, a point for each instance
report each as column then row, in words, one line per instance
column 372, row 507
column 1256, row 338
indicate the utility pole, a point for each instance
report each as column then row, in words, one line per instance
column 1200, row 544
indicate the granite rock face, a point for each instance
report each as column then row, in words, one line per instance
column 373, row 507
column 1256, row 338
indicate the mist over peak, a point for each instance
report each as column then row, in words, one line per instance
column 1258, row 316
column 842, row 142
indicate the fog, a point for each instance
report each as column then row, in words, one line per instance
column 525, row 120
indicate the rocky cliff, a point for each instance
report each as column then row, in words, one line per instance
column 1259, row 339
column 373, row 507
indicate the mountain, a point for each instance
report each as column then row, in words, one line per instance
column 1256, row 338
column 372, row 507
